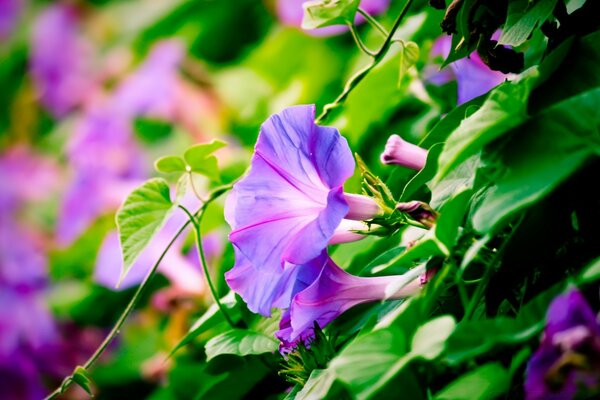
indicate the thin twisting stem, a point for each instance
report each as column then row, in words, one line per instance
column 196, row 222
column 359, row 76
column 374, row 23
column 358, row 40
column 66, row 383
column 117, row 327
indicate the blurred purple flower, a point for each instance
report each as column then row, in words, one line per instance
column 472, row 76
column 10, row 12
column 152, row 89
column 291, row 12
column 334, row 291
column 25, row 177
column 107, row 160
column 568, row 358
column 400, row 152
column 26, row 325
column 61, row 59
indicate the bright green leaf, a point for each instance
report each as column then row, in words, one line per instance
column 241, row 343
column 317, row 386
column 592, row 272
column 320, row 13
column 409, row 55
column 430, row 339
column 362, row 363
column 170, row 164
column 209, row 168
column 486, row 382
column 504, row 109
column 201, row 161
column 142, row 214
column 196, row 154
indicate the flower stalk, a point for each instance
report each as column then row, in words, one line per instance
column 360, row 75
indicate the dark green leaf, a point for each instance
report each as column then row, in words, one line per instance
column 520, row 22
column 82, row 378
column 543, row 153
column 474, row 338
column 504, row 109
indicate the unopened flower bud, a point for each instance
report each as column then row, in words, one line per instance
column 419, row 211
column 400, row 152
column 361, row 208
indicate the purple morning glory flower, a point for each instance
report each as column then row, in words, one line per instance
column 264, row 289
column 291, row 12
column 334, row 291
column 472, row 76
column 10, row 12
column 400, row 152
column 287, row 209
column 568, row 358
column 61, row 59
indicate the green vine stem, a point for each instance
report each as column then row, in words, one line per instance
column 359, row 41
column 359, row 75
column 196, row 221
column 373, row 22
column 68, row 381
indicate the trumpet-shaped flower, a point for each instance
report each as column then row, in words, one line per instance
column 334, row 291
column 289, row 205
column 264, row 289
column 568, row 358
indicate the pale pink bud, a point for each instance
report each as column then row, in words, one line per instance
column 361, row 207
column 346, row 232
column 400, row 152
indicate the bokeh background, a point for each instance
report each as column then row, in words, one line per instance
column 92, row 92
